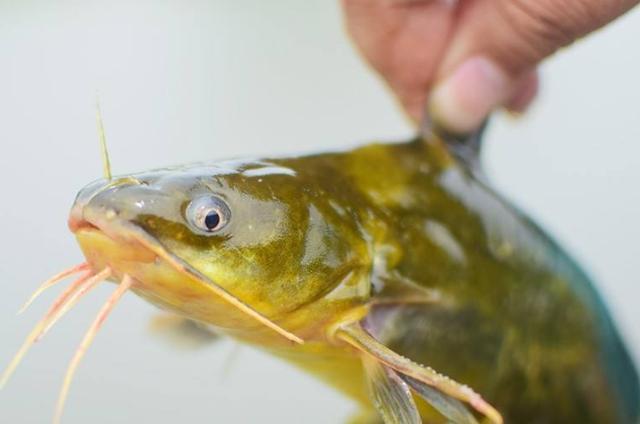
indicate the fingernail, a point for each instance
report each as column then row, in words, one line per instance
column 464, row 100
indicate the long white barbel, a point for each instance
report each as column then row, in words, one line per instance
column 126, row 283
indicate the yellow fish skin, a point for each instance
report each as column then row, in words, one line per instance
column 392, row 272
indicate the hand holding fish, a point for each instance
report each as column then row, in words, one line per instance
column 466, row 58
column 393, row 272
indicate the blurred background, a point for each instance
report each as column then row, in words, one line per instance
column 184, row 81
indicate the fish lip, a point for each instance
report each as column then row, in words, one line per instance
column 107, row 222
column 76, row 219
column 79, row 223
column 81, row 218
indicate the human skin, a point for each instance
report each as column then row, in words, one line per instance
column 463, row 59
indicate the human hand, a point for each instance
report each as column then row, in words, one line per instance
column 462, row 59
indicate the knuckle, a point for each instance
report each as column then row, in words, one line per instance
column 535, row 29
column 568, row 18
column 546, row 25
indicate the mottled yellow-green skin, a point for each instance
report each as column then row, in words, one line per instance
column 403, row 236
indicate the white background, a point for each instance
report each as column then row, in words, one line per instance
column 185, row 81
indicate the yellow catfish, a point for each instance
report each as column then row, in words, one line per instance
column 392, row 272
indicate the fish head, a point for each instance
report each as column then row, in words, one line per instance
column 256, row 231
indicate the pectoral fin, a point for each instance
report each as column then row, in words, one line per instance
column 396, row 289
column 181, row 332
column 390, row 394
column 444, row 394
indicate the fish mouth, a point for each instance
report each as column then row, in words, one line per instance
column 76, row 219
column 82, row 218
column 161, row 276
column 106, row 241
column 122, row 239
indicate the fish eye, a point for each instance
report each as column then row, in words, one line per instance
column 208, row 214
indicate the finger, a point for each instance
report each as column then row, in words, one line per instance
column 525, row 93
column 404, row 41
column 518, row 34
column 511, row 37
column 462, row 101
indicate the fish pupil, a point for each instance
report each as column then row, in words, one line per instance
column 212, row 220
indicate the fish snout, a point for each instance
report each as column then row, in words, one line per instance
column 96, row 204
column 81, row 216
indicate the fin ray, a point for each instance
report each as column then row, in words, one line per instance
column 359, row 338
column 454, row 410
column 390, row 394
column 106, row 163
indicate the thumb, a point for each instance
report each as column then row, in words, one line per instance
column 496, row 47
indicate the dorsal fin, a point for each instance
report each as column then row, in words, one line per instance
column 465, row 147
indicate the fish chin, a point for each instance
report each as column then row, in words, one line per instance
column 163, row 280
column 156, row 280
column 102, row 250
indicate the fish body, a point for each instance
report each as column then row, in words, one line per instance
column 506, row 310
column 408, row 279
